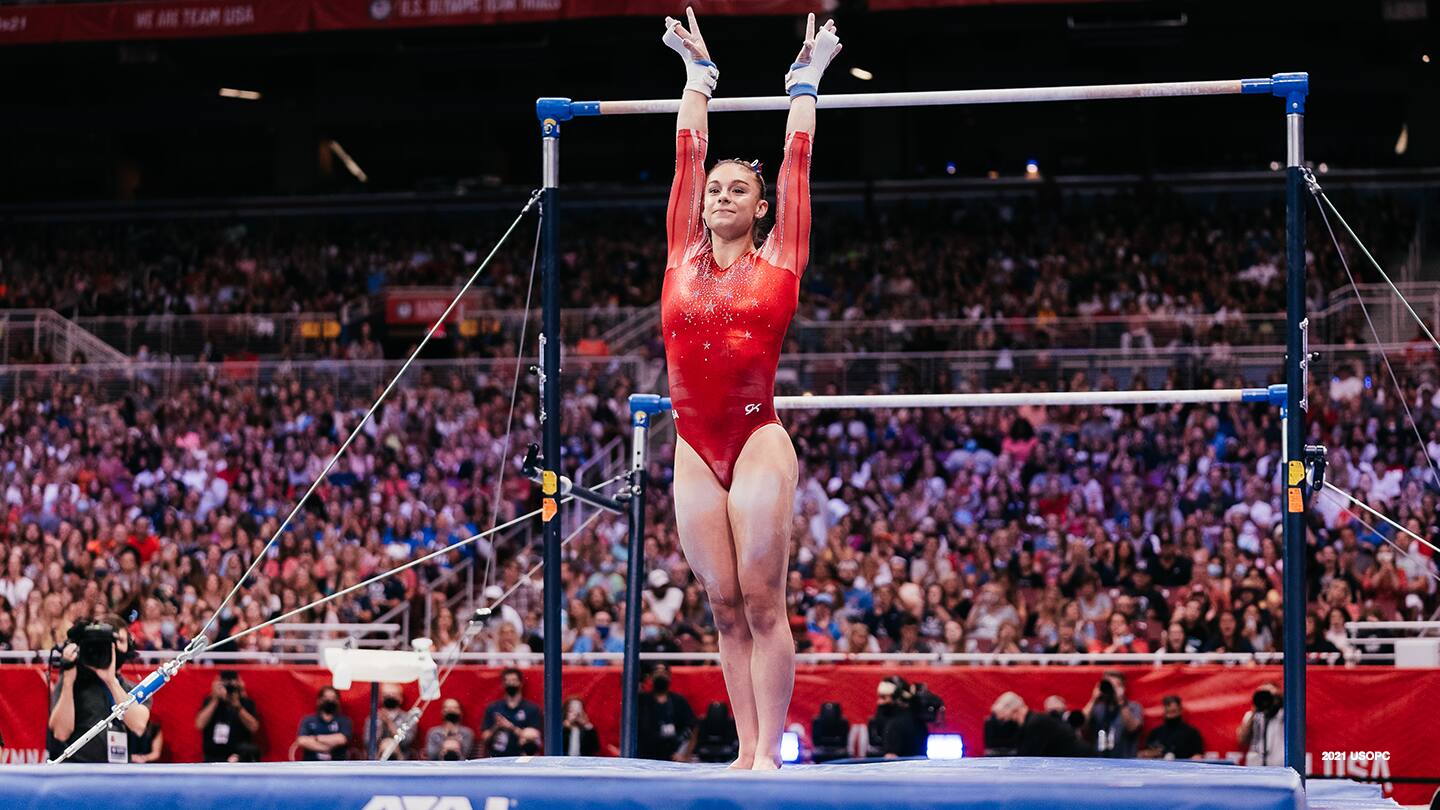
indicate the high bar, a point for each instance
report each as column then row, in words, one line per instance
column 1275, row 394
column 1292, row 86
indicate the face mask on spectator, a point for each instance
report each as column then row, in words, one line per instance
column 328, row 706
column 391, row 703
column 167, row 628
column 650, row 632
column 452, row 717
column 530, row 748
column 602, row 632
column 512, row 689
column 1215, row 569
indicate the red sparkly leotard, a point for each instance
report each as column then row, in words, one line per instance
column 723, row 327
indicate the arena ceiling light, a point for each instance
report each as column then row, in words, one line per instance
column 246, row 95
column 350, row 164
column 862, row 74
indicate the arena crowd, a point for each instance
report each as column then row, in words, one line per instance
column 1023, row 530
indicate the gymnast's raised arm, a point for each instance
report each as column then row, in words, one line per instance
column 788, row 245
column 683, row 223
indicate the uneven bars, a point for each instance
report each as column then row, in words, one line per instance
column 1281, row 84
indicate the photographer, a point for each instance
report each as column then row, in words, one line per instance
column 1037, row 734
column 899, row 727
column 1262, row 732
column 1114, row 720
column 579, row 734
column 228, row 722
column 389, row 720
column 90, row 685
column 452, row 739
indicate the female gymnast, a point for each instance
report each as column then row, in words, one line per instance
column 726, row 304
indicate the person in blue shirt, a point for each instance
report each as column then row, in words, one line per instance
column 600, row 638
column 326, row 734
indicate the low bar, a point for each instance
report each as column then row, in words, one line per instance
column 1274, row 395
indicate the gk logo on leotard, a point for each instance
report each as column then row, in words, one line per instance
column 753, row 407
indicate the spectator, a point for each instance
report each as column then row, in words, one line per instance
column 666, row 723
column 822, row 628
column 15, row 587
column 581, row 739
column 228, row 721
column 989, row 614
column 326, row 734
column 1335, row 633
column 1227, row 637
column 512, row 724
column 1173, row 738
column 390, row 719
column 600, row 638
column 1113, row 719
column 452, row 739
column 662, row 598
column 858, row 640
column 1122, row 637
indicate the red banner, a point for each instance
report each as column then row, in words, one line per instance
column 26, row 25
column 421, row 306
column 348, row 14
column 1362, row 711
column 905, row 5
column 196, row 18
column 151, row 20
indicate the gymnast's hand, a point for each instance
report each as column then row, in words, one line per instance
column 700, row 72
column 815, row 55
column 689, row 44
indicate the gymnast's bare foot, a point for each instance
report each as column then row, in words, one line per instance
column 744, row 762
column 771, row 763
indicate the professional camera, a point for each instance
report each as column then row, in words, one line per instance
column 927, row 705
column 924, row 704
column 96, row 641
column 1107, row 690
column 1265, row 702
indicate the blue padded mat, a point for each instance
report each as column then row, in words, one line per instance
column 611, row 784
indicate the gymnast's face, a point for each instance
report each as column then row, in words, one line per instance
column 733, row 201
